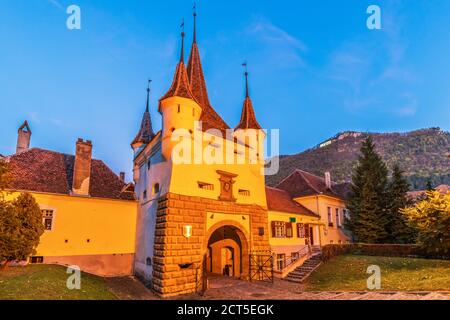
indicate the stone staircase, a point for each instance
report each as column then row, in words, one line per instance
column 302, row 272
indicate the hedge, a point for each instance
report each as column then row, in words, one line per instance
column 387, row 250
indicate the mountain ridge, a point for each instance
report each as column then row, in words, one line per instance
column 424, row 154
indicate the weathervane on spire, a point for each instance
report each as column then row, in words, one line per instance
column 148, row 94
column 194, row 9
column 182, row 41
column 246, row 78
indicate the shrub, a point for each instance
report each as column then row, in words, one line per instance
column 389, row 250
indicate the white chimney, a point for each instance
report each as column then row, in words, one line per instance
column 328, row 180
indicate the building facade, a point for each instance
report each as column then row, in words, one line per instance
column 196, row 216
column 199, row 213
column 89, row 213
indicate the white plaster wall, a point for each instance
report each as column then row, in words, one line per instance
column 159, row 172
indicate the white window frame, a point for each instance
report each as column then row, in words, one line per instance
column 53, row 210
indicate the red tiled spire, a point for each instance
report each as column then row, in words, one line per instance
column 146, row 133
column 180, row 84
column 210, row 118
column 248, row 118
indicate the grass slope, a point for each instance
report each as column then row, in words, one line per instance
column 48, row 282
column 348, row 273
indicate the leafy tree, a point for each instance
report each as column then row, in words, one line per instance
column 21, row 228
column 400, row 231
column 9, row 229
column 431, row 217
column 367, row 201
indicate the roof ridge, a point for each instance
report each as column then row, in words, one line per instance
column 308, row 182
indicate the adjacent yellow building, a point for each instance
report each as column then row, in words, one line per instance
column 89, row 213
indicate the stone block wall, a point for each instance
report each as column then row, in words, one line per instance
column 178, row 260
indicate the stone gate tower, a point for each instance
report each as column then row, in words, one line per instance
column 203, row 214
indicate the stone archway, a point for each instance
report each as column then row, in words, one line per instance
column 228, row 250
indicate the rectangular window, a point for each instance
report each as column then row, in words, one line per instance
column 300, row 230
column 47, row 218
column 281, row 261
column 36, row 259
column 330, row 218
column 144, row 194
column 289, row 231
column 243, row 192
column 278, row 229
column 338, row 218
column 205, row 185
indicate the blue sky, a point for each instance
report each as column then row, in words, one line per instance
column 315, row 68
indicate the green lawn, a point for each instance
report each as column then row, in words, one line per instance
column 348, row 273
column 48, row 282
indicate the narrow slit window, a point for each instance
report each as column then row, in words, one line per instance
column 205, row 185
column 244, row 192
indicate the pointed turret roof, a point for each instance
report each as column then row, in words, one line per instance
column 146, row 133
column 180, row 84
column 210, row 118
column 248, row 117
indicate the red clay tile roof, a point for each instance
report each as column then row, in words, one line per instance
column 210, row 119
column 180, row 85
column 248, row 118
column 301, row 183
column 52, row 172
column 280, row 200
column 145, row 134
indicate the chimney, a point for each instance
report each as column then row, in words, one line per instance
column 23, row 137
column 328, row 180
column 82, row 168
column 122, row 176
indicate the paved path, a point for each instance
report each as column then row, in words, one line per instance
column 225, row 288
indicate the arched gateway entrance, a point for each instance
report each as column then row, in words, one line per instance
column 227, row 250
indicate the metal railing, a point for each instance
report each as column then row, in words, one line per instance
column 306, row 250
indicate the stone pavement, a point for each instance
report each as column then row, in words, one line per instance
column 225, row 288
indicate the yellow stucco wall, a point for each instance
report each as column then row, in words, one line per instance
column 283, row 216
column 110, row 225
column 319, row 205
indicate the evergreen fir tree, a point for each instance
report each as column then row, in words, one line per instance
column 367, row 203
column 399, row 229
column 429, row 185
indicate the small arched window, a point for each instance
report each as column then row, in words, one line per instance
column 156, row 188
column 148, row 261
